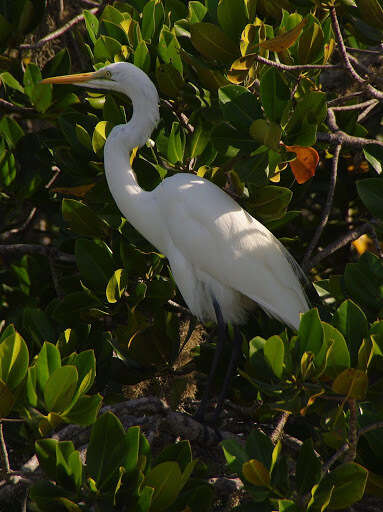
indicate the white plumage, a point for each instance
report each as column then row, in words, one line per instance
column 216, row 250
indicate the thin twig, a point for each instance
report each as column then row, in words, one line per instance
column 10, row 108
column 43, row 250
column 344, row 99
column 356, row 106
column 366, row 112
column 326, row 209
column 343, row 240
column 180, row 116
column 6, row 468
column 369, row 428
column 20, row 230
column 345, row 57
column 364, row 69
column 297, row 67
column 57, row 33
column 350, row 49
column 353, row 432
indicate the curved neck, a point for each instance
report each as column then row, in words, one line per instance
column 134, row 203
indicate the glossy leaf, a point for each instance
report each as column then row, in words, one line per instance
column 95, row 262
column 285, row 40
column 239, row 106
column 274, row 351
column 83, row 220
column 116, row 285
column 256, row 473
column 60, row 388
column 166, row 481
column 350, row 320
column 370, row 191
column 48, row 360
column 351, row 383
column 305, row 163
column 308, row 469
column 14, row 360
column 274, row 93
column 212, row 42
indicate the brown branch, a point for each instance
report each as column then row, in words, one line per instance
column 356, row 106
column 10, row 108
column 344, row 99
column 339, row 243
column 43, row 250
column 179, row 115
column 350, row 49
column 346, row 60
column 369, row 428
column 345, row 139
column 6, row 468
column 57, row 33
column 297, row 67
column 326, row 209
column 353, row 433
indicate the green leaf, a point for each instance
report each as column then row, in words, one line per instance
column 59, row 65
column 85, row 363
column 14, row 360
column 213, row 43
column 374, row 155
column 337, row 355
column 310, row 111
column 308, row 468
column 38, row 325
column 274, row 351
column 260, row 447
column 11, row 131
column 7, row 79
column 350, row 320
column 152, row 19
column 179, row 452
column 232, row 17
column 274, row 93
column 256, row 473
column 100, row 134
column 351, row 383
column 113, row 112
column 39, row 94
column 166, row 481
column 85, row 410
column 48, row 360
column 197, row 12
column 239, row 106
column 107, row 450
column 271, row 202
column 169, row 49
column 106, row 48
column 7, row 399
column 70, row 308
column 348, row 482
column 363, row 282
column 95, row 262
column 169, row 80
column 83, row 220
column 311, row 42
column 370, row 191
column 142, row 57
column 60, row 388
column 310, row 333
column 92, row 25
column 116, row 286
column 234, row 454
column 46, row 454
column 199, row 140
column 176, row 145
column 30, row 387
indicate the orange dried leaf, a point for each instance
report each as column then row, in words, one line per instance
column 305, row 164
column 79, row 191
column 285, row 40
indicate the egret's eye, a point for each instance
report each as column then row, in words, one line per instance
column 108, row 75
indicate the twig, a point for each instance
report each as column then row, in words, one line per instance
column 278, row 431
column 353, row 433
column 6, row 468
column 369, row 428
column 326, row 209
column 297, row 67
column 345, row 139
column 9, row 107
column 364, row 69
column 344, row 99
column 362, row 116
column 356, row 106
column 180, row 116
column 339, row 243
column 18, row 231
column 350, row 49
column 43, row 250
column 345, row 57
column 174, row 306
column 57, row 33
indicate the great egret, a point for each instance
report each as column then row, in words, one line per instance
column 223, row 260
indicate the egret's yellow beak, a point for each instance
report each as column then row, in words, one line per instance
column 69, row 79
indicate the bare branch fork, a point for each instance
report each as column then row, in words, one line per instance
column 326, row 209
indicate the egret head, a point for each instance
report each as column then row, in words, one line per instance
column 122, row 77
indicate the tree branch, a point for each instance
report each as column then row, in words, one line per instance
column 345, row 57
column 6, row 468
column 356, row 106
column 10, row 108
column 297, row 67
column 326, row 209
column 43, row 250
column 343, row 138
column 57, row 33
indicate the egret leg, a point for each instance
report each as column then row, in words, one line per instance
column 229, row 373
column 200, row 414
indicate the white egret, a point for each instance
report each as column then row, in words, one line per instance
column 223, row 260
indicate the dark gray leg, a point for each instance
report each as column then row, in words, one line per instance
column 230, row 370
column 200, row 414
